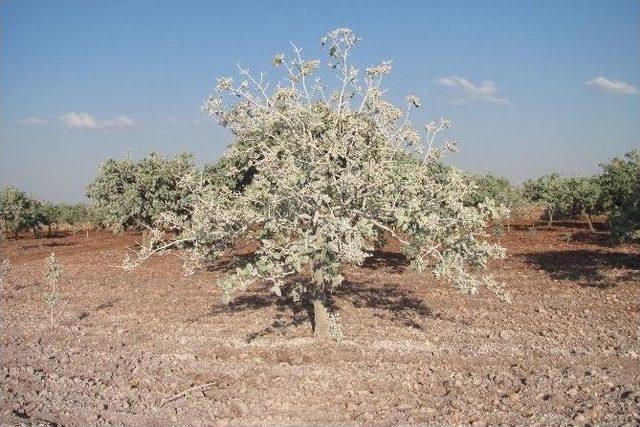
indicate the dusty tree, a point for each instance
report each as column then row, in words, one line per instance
column 620, row 183
column 130, row 194
column 498, row 189
column 583, row 197
column 19, row 211
column 321, row 176
column 547, row 190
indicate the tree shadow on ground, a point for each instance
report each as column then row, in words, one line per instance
column 229, row 264
column 41, row 235
column 57, row 234
column 108, row 304
column 381, row 259
column 387, row 301
column 279, row 325
column 289, row 313
column 48, row 245
column 579, row 227
column 591, row 268
column 591, row 238
column 573, row 224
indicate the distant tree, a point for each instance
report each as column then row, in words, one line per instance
column 48, row 214
column 319, row 174
column 488, row 186
column 625, row 221
column 18, row 211
column 619, row 179
column 620, row 183
column 133, row 195
column 73, row 213
column 583, row 196
column 56, row 214
column 498, row 189
column 547, row 190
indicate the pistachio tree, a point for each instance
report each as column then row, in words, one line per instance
column 625, row 221
column 498, row 189
column 48, row 214
column 129, row 194
column 620, row 183
column 583, row 197
column 18, row 211
column 548, row 191
column 73, row 213
column 324, row 171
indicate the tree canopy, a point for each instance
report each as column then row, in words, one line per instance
column 318, row 181
column 129, row 194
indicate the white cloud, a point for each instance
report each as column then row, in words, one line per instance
column 31, row 121
column 486, row 91
column 88, row 122
column 613, row 86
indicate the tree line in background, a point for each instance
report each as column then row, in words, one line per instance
column 615, row 192
column 20, row 211
column 128, row 194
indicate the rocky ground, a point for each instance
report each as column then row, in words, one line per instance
column 153, row 347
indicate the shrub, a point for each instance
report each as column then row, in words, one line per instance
column 320, row 174
column 132, row 195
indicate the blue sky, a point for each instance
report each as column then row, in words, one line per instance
column 87, row 80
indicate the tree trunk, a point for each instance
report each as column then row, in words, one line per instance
column 49, row 230
column 146, row 239
column 320, row 314
column 320, row 319
column 589, row 222
column 550, row 217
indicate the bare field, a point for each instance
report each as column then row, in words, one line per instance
column 153, row 347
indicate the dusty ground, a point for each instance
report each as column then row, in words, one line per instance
column 124, row 344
